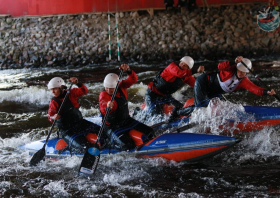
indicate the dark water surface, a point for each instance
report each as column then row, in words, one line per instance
column 250, row 169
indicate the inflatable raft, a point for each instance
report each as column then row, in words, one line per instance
column 251, row 119
column 188, row 147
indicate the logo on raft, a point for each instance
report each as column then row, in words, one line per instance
column 161, row 142
column 268, row 19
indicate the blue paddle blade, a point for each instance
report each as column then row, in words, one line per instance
column 89, row 162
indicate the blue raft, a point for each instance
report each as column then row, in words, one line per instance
column 187, row 147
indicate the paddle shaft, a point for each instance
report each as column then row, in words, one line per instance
column 90, row 160
column 188, row 126
column 108, row 109
column 59, row 110
column 257, row 77
column 180, row 129
column 40, row 154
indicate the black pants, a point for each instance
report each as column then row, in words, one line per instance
column 118, row 135
column 75, row 137
column 155, row 102
column 204, row 90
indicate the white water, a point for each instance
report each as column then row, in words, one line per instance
column 123, row 175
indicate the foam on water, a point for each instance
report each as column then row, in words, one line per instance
column 117, row 173
column 265, row 143
column 15, row 77
column 219, row 113
column 89, row 112
column 11, row 73
column 6, row 185
column 34, row 95
column 15, row 142
column 25, row 138
column 95, row 87
column 124, row 174
column 147, row 75
column 139, row 89
column 180, row 94
column 57, row 189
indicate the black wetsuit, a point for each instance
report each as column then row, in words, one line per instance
column 73, row 128
column 119, row 124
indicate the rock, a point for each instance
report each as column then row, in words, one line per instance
column 227, row 23
column 265, row 41
column 9, row 20
column 135, row 14
column 238, row 30
column 251, row 33
column 222, row 40
column 229, row 41
column 25, row 54
column 50, row 62
column 236, row 34
column 77, row 50
column 121, row 14
column 217, row 31
column 186, row 38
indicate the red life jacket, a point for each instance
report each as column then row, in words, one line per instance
column 171, row 79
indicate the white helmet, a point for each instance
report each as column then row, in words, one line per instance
column 188, row 60
column 242, row 68
column 111, row 80
column 55, row 82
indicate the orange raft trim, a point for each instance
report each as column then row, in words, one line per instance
column 186, row 155
column 136, row 137
column 249, row 126
column 61, row 144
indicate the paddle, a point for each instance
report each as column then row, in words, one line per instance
column 180, row 129
column 257, row 77
column 92, row 154
column 188, row 126
column 40, row 155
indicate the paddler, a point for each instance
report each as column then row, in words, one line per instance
column 119, row 117
column 230, row 77
column 167, row 82
column 72, row 127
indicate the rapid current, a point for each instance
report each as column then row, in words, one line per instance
column 250, row 168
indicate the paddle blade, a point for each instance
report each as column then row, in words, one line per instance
column 37, row 157
column 89, row 162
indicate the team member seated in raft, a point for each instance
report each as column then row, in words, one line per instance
column 231, row 77
column 168, row 82
column 75, row 131
column 120, row 128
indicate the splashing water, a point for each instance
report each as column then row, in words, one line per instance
column 243, row 171
column 221, row 113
